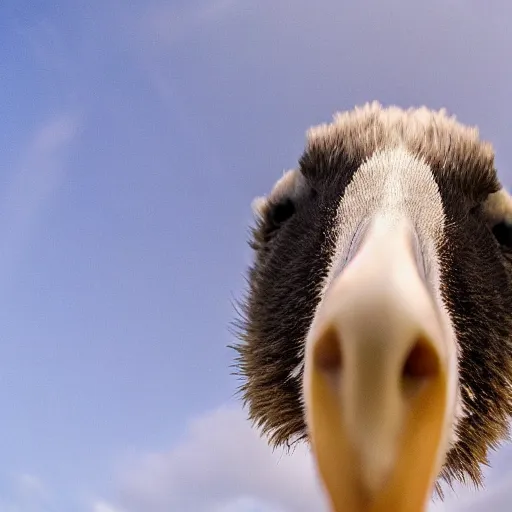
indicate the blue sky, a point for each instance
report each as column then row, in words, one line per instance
column 134, row 139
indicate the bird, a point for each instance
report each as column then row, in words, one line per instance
column 376, row 323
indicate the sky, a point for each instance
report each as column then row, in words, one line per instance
column 134, row 136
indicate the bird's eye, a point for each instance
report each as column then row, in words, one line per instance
column 281, row 212
column 503, row 233
column 278, row 214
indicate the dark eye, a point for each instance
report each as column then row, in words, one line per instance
column 503, row 233
column 281, row 212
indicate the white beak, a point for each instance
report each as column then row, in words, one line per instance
column 376, row 377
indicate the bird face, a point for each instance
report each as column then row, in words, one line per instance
column 377, row 324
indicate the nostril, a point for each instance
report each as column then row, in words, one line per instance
column 327, row 353
column 421, row 365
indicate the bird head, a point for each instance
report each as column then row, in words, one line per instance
column 377, row 324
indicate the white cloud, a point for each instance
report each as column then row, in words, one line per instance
column 222, row 465
column 25, row 492
column 102, row 506
column 496, row 497
column 54, row 135
column 245, row 504
column 31, row 486
column 40, row 172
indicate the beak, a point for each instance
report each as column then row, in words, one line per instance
column 376, row 379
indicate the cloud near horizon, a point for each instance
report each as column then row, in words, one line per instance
column 222, row 465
